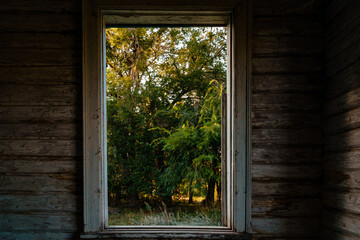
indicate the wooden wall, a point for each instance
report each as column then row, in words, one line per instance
column 341, row 167
column 287, row 83
column 40, row 118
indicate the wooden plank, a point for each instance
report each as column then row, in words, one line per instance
column 287, row 188
column 31, row 235
column 344, row 201
column 285, row 172
column 291, row 227
column 39, row 114
column 43, row 222
column 292, row 25
column 285, row 101
column 40, row 183
column 16, row 94
column 39, row 165
column 41, row 75
column 286, row 82
column 272, row 119
column 286, row 136
column 342, row 221
column 343, row 103
column 49, row 202
column 40, row 57
column 285, row 207
column 279, row 154
column 56, row 6
column 20, row 22
column 342, row 122
column 41, row 147
column 346, row 141
column 40, row 40
column 297, row 45
column 331, row 234
column 284, row 7
column 342, row 179
column 298, row 64
column 349, row 160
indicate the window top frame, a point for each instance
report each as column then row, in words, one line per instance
column 94, row 115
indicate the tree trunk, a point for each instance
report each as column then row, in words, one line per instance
column 210, row 192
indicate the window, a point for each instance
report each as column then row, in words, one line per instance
column 101, row 14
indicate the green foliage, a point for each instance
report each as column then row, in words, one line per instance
column 164, row 88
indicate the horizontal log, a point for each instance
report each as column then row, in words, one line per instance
column 41, row 75
column 40, row 40
column 342, row 179
column 32, row 165
column 296, row 45
column 343, row 103
column 294, row 64
column 346, row 141
column 20, row 22
column 286, row 136
column 292, row 25
column 283, row 7
column 39, row 113
column 279, row 154
column 343, row 122
column 272, row 188
column 341, row 221
column 343, row 201
column 346, row 160
column 37, row 94
column 40, row 183
column 41, row 147
column 41, row 5
column 286, row 227
column 56, row 202
column 273, row 119
column 285, row 207
column 40, row 57
column 330, row 234
column 31, row 235
column 286, row 101
column 43, row 222
column 285, row 172
column 286, row 82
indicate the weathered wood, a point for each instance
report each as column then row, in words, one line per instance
column 285, row 207
column 273, row 119
column 285, row 172
column 32, row 235
column 340, row 179
column 39, row 114
column 342, row 221
column 40, row 40
column 345, row 159
column 286, row 136
column 280, row 154
column 284, row 7
column 299, row 64
column 285, row 226
column 347, row 42
column 286, row 82
column 344, row 201
column 285, row 101
column 330, row 234
column 44, row 222
column 55, row 6
column 333, row 8
column 38, row 94
column 40, row 183
column 41, row 75
column 345, row 102
column 40, row 57
column 346, row 141
column 44, row 202
column 20, row 22
column 294, row 25
column 297, row 45
column 41, row 147
column 342, row 122
column 286, row 188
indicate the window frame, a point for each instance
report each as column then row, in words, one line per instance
column 95, row 13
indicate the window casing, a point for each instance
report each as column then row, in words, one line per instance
column 97, row 15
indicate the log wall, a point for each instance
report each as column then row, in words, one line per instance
column 341, row 111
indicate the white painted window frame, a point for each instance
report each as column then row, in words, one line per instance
column 96, row 14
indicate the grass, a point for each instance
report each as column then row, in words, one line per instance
column 180, row 214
